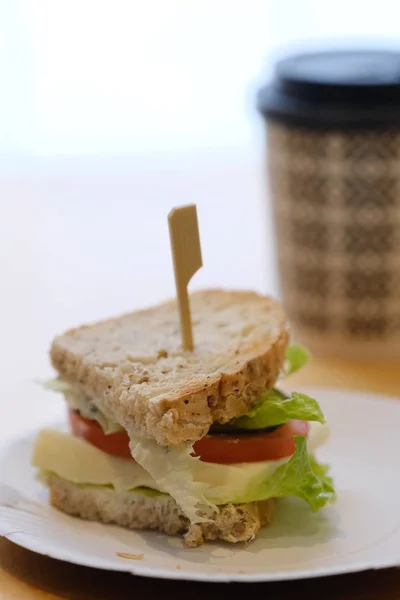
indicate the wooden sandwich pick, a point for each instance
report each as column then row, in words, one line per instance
column 186, row 256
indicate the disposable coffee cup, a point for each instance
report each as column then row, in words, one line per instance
column 333, row 160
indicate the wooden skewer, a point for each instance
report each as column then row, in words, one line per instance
column 186, row 256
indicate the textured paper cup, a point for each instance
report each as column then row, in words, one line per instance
column 333, row 129
column 336, row 206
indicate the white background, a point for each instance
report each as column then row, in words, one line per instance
column 112, row 76
column 111, row 112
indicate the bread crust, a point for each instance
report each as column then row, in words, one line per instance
column 134, row 369
column 231, row 523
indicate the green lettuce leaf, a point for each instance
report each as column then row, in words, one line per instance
column 77, row 400
column 174, row 470
column 43, row 474
column 301, row 476
column 275, row 408
column 296, row 357
column 56, row 385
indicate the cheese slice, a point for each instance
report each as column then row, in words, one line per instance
column 78, row 461
column 81, row 463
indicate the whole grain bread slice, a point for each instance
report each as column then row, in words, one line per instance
column 232, row 523
column 134, row 368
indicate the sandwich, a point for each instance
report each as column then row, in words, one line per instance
column 200, row 444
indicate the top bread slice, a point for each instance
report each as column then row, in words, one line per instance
column 135, row 370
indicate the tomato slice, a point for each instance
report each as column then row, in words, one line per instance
column 229, row 448
column 116, row 443
column 218, row 448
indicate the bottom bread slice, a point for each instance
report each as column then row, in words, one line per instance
column 232, row 522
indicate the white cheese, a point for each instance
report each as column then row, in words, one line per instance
column 79, row 462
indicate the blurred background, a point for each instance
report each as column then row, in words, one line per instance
column 112, row 112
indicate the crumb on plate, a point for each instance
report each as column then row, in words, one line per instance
column 129, row 556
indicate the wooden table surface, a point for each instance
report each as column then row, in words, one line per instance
column 28, row 576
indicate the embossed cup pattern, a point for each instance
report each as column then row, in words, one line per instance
column 336, row 206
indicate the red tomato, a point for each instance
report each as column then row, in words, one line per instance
column 221, row 448
column 228, row 448
column 116, row 443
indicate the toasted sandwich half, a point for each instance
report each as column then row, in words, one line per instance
column 196, row 443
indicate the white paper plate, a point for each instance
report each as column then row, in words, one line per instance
column 360, row 531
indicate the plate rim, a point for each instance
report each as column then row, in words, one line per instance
column 218, row 577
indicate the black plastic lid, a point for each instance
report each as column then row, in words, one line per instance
column 335, row 89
